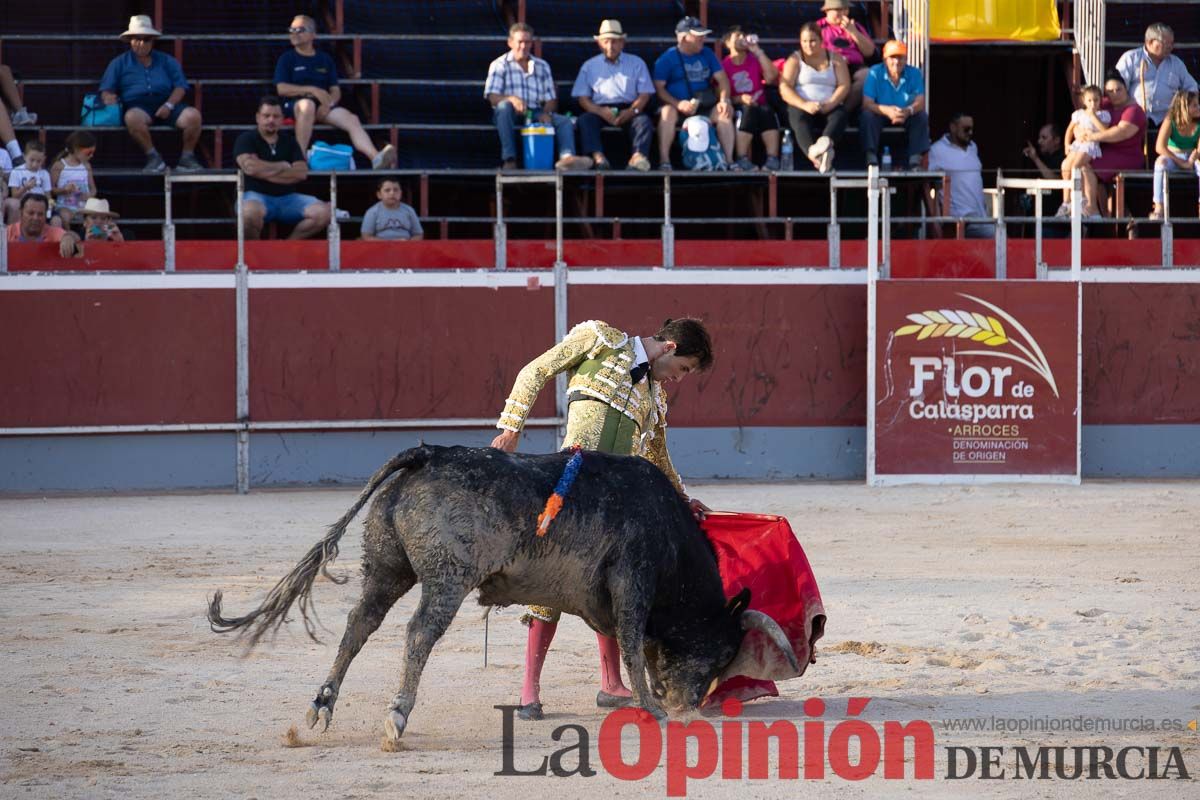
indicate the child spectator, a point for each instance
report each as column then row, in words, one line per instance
column 1091, row 119
column 26, row 178
column 390, row 219
column 749, row 71
column 99, row 222
column 71, row 176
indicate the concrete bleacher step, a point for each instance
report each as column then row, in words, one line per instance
column 241, row 16
column 570, row 18
column 472, row 17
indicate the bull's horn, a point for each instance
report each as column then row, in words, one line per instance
column 758, row 621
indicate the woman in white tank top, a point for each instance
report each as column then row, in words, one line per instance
column 814, row 84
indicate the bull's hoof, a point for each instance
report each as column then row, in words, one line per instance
column 530, row 711
column 606, row 700
column 394, row 725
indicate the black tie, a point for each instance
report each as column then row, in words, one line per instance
column 637, row 373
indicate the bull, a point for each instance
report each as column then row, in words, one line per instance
column 625, row 554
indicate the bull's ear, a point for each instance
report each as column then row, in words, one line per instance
column 738, row 603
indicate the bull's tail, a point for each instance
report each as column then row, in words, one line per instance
column 297, row 585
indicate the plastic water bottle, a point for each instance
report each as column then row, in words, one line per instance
column 787, row 161
column 886, row 163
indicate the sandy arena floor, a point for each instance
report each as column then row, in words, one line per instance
column 944, row 604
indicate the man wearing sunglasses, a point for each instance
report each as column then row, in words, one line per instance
column 957, row 156
column 307, row 80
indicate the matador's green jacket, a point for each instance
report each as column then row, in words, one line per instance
column 599, row 358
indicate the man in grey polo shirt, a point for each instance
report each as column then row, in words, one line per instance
column 957, row 156
column 1153, row 74
column 613, row 88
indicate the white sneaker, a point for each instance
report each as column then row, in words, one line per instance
column 819, row 147
column 1063, row 211
column 22, row 117
column 825, row 161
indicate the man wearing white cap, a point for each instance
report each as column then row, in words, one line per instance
column 684, row 77
column 613, row 88
column 151, row 86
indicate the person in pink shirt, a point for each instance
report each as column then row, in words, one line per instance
column 749, row 72
column 851, row 41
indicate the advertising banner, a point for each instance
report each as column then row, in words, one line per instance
column 975, row 381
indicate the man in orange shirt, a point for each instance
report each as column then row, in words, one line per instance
column 32, row 227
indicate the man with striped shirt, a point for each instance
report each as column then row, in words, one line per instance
column 520, row 83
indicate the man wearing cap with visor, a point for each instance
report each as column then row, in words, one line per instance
column 151, row 86
column 613, row 88
column 683, row 77
column 894, row 94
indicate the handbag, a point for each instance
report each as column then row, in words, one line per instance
column 331, row 157
column 95, row 113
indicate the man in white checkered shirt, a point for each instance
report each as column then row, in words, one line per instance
column 518, row 82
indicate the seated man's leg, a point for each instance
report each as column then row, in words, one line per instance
column 350, row 123
column 668, row 119
column 313, row 216
column 870, row 128
column 589, row 136
column 917, row 128
column 254, row 214
column 564, row 141
column 304, row 111
column 723, row 121
column 137, row 122
column 189, row 123
column 641, row 132
column 504, row 116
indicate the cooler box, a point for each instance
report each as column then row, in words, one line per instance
column 538, row 141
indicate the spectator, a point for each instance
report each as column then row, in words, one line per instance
column 11, row 153
column 11, row 104
column 1121, row 143
column 894, row 93
column 71, row 176
column 30, row 177
column 151, row 86
column 614, row 88
column 32, row 227
column 1177, row 141
column 749, row 71
column 1153, row 74
column 307, row 79
column 957, row 156
column 1091, row 119
column 274, row 163
column 683, row 77
column 390, row 219
column 100, row 223
column 520, row 85
column 815, row 84
column 1047, row 156
column 849, row 40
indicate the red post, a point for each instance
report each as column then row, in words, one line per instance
column 339, row 17
column 704, row 12
column 946, row 197
column 357, row 56
column 218, row 147
column 199, row 97
column 158, row 14
column 521, row 11
column 617, row 229
column 179, row 52
column 374, row 102
column 772, row 195
column 394, row 138
column 599, row 194
column 424, row 194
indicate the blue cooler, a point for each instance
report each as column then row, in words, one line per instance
column 538, row 141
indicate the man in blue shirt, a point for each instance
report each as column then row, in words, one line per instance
column 613, row 88
column 684, row 77
column 151, row 86
column 1153, row 74
column 307, row 80
column 894, row 93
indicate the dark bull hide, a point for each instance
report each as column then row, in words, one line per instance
column 624, row 554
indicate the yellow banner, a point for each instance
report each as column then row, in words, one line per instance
column 992, row 20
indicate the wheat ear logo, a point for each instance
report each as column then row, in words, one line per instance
column 987, row 330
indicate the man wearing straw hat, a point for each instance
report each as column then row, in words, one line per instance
column 100, row 222
column 613, row 88
column 151, row 86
